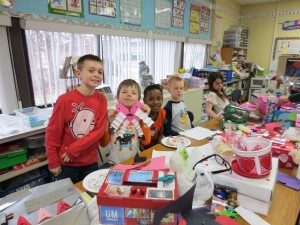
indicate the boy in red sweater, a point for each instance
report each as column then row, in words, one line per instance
column 77, row 123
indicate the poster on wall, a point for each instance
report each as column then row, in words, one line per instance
column 178, row 13
column 7, row 3
column 204, row 20
column 103, row 7
column 66, row 7
column 131, row 11
column 291, row 25
column 163, row 14
column 194, row 19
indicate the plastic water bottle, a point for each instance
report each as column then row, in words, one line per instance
column 270, row 109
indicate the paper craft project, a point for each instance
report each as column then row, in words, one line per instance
column 43, row 215
column 140, row 176
column 35, row 203
column 160, row 193
column 126, row 117
column 167, row 154
column 23, row 221
column 224, row 198
column 115, row 177
column 288, row 181
column 155, row 164
column 62, row 206
column 116, row 190
column 271, row 127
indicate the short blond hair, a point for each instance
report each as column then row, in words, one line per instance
column 174, row 78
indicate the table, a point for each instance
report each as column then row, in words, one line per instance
column 285, row 204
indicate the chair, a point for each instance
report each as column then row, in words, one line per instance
column 191, row 116
column 236, row 95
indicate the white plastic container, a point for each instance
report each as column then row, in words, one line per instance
column 33, row 116
column 10, row 124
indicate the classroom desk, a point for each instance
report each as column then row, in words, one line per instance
column 285, row 204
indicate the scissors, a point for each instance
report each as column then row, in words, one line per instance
column 165, row 178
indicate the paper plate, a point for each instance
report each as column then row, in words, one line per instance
column 94, row 180
column 236, row 169
column 165, row 142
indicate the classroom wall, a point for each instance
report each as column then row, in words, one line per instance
column 38, row 10
column 230, row 12
column 264, row 27
column 227, row 13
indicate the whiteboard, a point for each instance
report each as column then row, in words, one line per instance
column 283, row 46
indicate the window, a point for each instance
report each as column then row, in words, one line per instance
column 8, row 92
column 194, row 55
column 121, row 57
column 47, row 52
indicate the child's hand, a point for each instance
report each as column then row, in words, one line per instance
column 146, row 109
column 111, row 113
column 65, row 158
column 283, row 99
column 56, row 171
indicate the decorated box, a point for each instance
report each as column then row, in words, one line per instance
column 281, row 151
column 260, row 189
column 129, row 197
column 285, row 117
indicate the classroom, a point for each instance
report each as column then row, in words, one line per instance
column 150, row 112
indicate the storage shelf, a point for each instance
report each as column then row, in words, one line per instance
column 12, row 174
column 26, row 132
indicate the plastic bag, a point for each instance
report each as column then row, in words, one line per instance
column 179, row 164
column 186, row 176
column 204, row 188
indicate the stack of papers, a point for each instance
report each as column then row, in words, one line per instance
column 199, row 133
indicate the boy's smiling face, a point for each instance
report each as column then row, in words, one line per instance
column 91, row 74
column 154, row 100
column 128, row 96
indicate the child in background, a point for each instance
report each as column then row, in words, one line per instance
column 77, row 124
column 122, row 148
column 153, row 97
column 216, row 99
column 177, row 116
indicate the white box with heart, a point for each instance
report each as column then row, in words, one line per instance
column 258, row 188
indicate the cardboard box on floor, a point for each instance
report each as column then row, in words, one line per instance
column 75, row 215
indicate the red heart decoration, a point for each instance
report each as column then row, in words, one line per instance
column 265, row 161
column 246, row 163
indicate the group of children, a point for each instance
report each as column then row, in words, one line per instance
column 81, row 121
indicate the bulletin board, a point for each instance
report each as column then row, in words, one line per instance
column 282, row 46
column 172, row 17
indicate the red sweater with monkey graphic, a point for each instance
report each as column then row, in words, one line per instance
column 75, row 127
